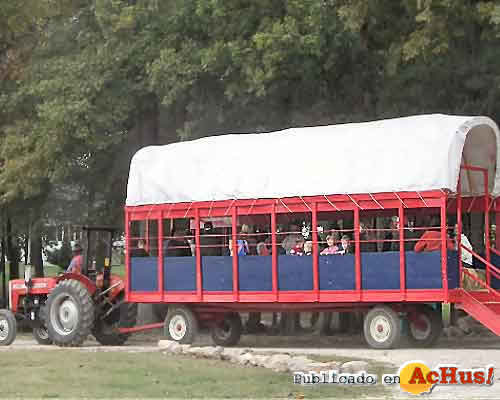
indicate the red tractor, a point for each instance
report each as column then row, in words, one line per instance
column 65, row 309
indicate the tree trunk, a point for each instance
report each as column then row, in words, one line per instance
column 12, row 253
column 36, row 252
column 3, row 301
column 26, row 244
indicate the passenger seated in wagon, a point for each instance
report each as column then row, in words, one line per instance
column 140, row 250
column 345, row 245
column 178, row 246
column 332, row 247
column 298, row 249
column 431, row 241
column 290, row 240
column 467, row 262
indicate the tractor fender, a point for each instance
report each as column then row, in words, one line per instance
column 119, row 288
column 113, row 280
column 90, row 285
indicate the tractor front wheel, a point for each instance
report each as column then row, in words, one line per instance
column 41, row 335
column 8, row 327
column 70, row 313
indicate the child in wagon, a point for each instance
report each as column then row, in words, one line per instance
column 298, row 249
column 332, row 247
column 345, row 245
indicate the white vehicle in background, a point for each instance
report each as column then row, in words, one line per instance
column 53, row 246
column 119, row 244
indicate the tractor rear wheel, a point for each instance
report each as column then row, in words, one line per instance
column 8, row 327
column 70, row 313
column 106, row 330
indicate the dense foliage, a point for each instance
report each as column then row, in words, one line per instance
column 86, row 83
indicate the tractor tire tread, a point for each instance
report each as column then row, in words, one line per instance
column 76, row 289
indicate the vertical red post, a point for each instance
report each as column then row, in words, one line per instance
column 487, row 243
column 274, row 252
column 444, row 248
column 459, row 231
column 402, row 255
column 199, row 278
column 160, row 256
column 128, row 245
column 234, row 236
column 315, row 252
column 357, row 252
column 497, row 223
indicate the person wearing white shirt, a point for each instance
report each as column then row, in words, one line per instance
column 468, row 282
column 466, row 256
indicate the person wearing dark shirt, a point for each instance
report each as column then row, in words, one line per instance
column 367, row 238
column 210, row 243
column 178, row 246
column 140, row 251
column 345, row 245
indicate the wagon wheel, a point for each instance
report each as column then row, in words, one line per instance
column 181, row 325
column 425, row 326
column 382, row 328
column 227, row 332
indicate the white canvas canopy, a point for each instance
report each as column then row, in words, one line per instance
column 414, row 153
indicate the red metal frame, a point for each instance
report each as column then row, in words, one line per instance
column 312, row 205
column 315, row 252
column 444, row 248
column 402, row 261
column 274, row 253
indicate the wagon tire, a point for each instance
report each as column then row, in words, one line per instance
column 227, row 332
column 8, row 327
column 382, row 328
column 70, row 313
column 181, row 325
column 433, row 327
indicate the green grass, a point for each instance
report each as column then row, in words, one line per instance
column 65, row 373
column 118, row 270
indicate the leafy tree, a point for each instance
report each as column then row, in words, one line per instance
column 86, row 83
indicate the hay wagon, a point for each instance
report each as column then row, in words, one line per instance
column 202, row 208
